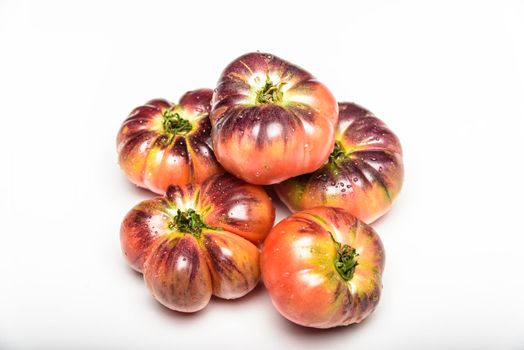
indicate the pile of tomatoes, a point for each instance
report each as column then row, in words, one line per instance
column 210, row 232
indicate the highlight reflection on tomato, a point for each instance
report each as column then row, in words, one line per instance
column 162, row 144
column 364, row 173
column 322, row 268
column 199, row 240
column 271, row 120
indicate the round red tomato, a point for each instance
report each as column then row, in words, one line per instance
column 199, row 240
column 323, row 268
column 162, row 144
column 271, row 120
column 364, row 173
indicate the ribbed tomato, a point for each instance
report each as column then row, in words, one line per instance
column 323, row 268
column 364, row 173
column 162, row 144
column 199, row 240
column 271, row 120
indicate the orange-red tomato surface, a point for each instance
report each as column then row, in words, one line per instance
column 198, row 241
column 271, row 120
column 162, row 144
column 323, row 268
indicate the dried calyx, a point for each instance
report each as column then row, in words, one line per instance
column 346, row 260
column 174, row 124
column 270, row 93
column 338, row 153
column 189, row 221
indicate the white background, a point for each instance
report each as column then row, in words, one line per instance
column 448, row 78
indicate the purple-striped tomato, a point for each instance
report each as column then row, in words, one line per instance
column 162, row 144
column 364, row 173
column 271, row 120
column 322, row 268
column 198, row 241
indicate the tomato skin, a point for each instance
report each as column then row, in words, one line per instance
column 183, row 269
column 176, row 274
column 298, row 268
column 365, row 181
column 288, row 134
column 154, row 158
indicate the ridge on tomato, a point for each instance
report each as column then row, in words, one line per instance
column 162, row 144
column 199, row 240
column 364, row 173
column 322, row 268
column 271, row 119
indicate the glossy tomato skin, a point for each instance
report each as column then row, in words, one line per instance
column 154, row 153
column 298, row 268
column 184, row 268
column 364, row 177
column 176, row 274
column 271, row 119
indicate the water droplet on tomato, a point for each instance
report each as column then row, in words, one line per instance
column 380, row 169
column 355, row 179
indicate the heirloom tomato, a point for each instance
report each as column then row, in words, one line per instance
column 271, row 120
column 162, row 144
column 199, row 240
column 323, row 268
column 364, row 173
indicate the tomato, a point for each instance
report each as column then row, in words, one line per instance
column 162, row 144
column 199, row 240
column 323, row 268
column 271, row 120
column 364, row 173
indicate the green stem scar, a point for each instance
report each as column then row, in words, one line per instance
column 174, row 124
column 338, row 153
column 270, row 93
column 346, row 260
column 189, row 221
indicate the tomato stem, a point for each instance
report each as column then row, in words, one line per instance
column 174, row 124
column 189, row 221
column 270, row 93
column 338, row 153
column 346, row 260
